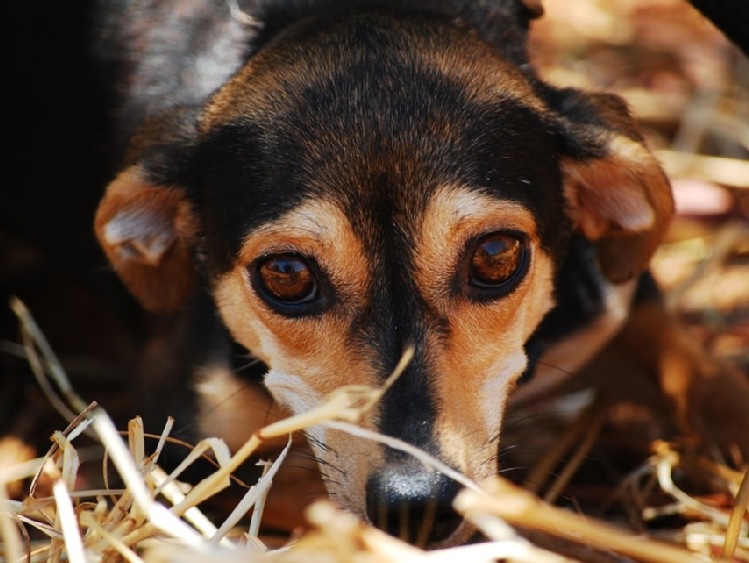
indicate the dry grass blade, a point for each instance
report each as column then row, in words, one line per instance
column 517, row 506
column 250, row 499
column 11, row 537
column 34, row 337
column 69, row 524
column 171, row 491
column 158, row 515
column 516, row 548
column 736, row 520
column 220, row 451
column 665, row 461
column 269, row 471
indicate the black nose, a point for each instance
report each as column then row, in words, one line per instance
column 412, row 503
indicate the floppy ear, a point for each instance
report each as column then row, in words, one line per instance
column 146, row 231
column 617, row 193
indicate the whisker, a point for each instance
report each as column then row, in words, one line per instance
column 556, row 367
column 250, row 364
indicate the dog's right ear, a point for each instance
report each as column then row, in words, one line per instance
column 145, row 223
column 147, row 232
column 617, row 194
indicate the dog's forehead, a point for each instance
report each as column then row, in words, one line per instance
column 386, row 49
column 376, row 113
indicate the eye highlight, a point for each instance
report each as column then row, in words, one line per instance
column 496, row 264
column 287, row 277
column 289, row 283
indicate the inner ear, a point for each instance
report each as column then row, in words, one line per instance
column 622, row 200
column 617, row 194
column 147, row 231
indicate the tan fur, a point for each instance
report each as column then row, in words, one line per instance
column 624, row 202
column 152, row 256
column 484, row 349
column 655, row 360
column 310, row 356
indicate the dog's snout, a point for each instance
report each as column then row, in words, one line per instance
column 414, row 504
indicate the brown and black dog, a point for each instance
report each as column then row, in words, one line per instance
column 331, row 182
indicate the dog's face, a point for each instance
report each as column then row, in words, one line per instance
column 368, row 183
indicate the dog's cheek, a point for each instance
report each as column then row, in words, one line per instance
column 308, row 358
column 304, row 371
column 478, row 364
column 236, row 309
column 337, row 452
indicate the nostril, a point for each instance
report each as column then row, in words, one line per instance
column 412, row 504
column 446, row 522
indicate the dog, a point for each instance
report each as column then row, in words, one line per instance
column 326, row 184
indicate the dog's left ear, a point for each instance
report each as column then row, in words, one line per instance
column 616, row 191
column 147, row 232
column 146, row 223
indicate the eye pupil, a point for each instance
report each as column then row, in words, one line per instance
column 287, row 278
column 496, row 260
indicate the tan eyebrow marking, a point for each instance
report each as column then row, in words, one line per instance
column 321, row 230
column 455, row 215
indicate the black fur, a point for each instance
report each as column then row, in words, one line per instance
column 502, row 23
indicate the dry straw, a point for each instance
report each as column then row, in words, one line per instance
column 154, row 518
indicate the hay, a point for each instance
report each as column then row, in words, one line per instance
column 155, row 518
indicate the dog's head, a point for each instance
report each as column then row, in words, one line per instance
column 371, row 180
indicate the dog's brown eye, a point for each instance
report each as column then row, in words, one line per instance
column 497, row 261
column 287, row 278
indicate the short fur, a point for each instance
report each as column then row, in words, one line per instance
column 381, row 142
